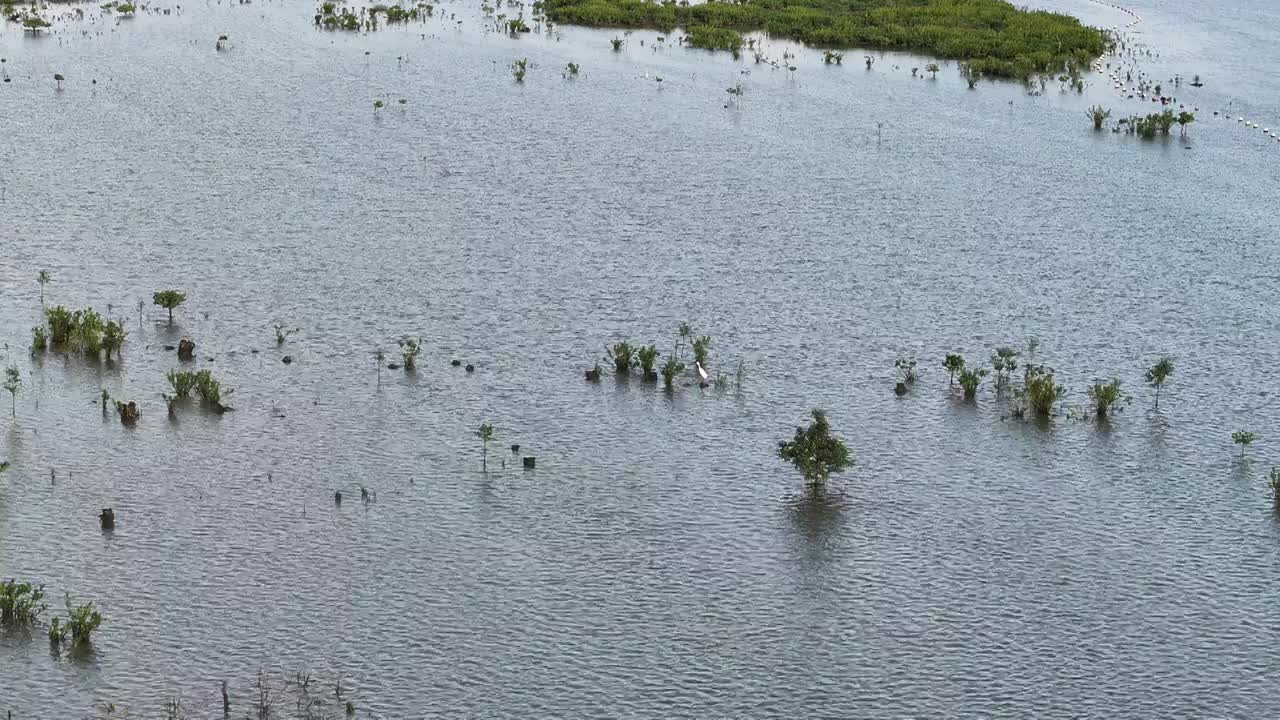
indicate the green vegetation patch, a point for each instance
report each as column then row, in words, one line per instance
column 991, row 36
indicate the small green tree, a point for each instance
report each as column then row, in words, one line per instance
column 12, row 383
column 485, row 433
column 815, row 452
column 1243, row 438
column 113, row 337
column 953, row 364
column 933, row 69
column 44, row 278
column 1184, row 119
column 168, row 299
column 617, row 44
column 1158, row 375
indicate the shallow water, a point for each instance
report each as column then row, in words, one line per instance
column 660, row 562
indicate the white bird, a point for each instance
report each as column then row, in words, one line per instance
column 701, row 373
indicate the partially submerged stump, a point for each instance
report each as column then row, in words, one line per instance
column 529, row 462
column 900, row 389
column 129, row 413
column 107, row 518
column 186, row 349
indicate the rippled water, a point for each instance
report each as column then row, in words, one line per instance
column 660, row 562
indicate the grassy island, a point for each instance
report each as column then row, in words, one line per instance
column 991, row 36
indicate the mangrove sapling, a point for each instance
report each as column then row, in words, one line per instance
column 933, row 69
column 1038, row 393
column 623, row 354
column 211, row 391
column 168, row 299
column 952, row 364
column 670, row 370
column 1098, row 115
column 485, row 433
column 815, row 452
column 1184, row 119
column 1243, row 438
column 594, row 374
column 182, row 383
column 572, row 68
column 830, row 57
column 906, row 369
column 44, row 278
column 409, row 349
column 648, row 356
column 518, row 69
column 283, row 333
column 701, row 349
column 1004, row 361
column 1106, row 396
column 1273, row 481
column 12, row 383
column 969, row 381
column 378, row 357
column 377, row 105
column 113, row 336
column 617, row 44
column 20, row 603
column 82, row 622
column 1158, row 375
column 39, row 340
column 740, row 375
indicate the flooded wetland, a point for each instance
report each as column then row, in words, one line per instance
column 340, row 535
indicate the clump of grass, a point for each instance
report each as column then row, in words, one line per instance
column 39, row 339
column 20, row 603
column 992, row 37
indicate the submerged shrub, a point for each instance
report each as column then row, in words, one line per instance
column 623, row 354
column 969, row 381
column 701, row 349
column 1105, row 396
column 647, row 357
column 670, row 369
column 82, row 622
column 20, row 603
column 1039, row 393
column 39, row 341
column 1098, row 115
column 182, row 383
column 1004, row 361
column 113, row 336
column 815, row 452
column 1273, row 481
column 210, row 390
